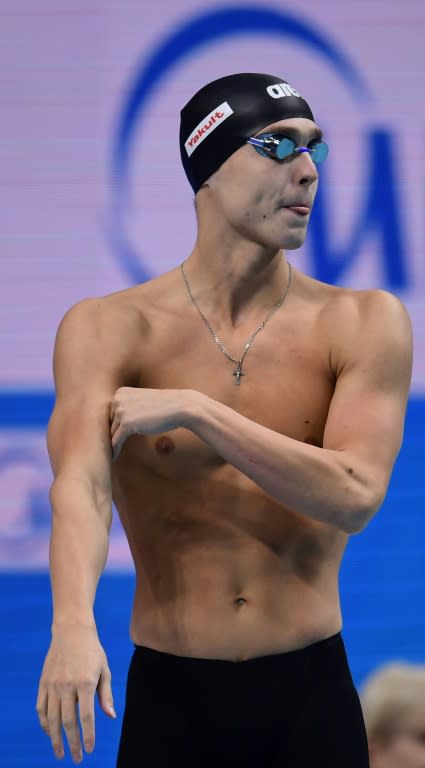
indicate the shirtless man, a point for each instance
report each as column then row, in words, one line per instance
column 245, row 419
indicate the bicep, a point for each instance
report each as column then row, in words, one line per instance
column 88, row 368
column 367, row 411
column 78, row 438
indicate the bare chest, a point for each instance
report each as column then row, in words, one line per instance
column 286, row 386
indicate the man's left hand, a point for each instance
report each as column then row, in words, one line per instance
column 146, row 412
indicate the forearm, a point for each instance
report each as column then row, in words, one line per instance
column 321, row 484
column 78, row 550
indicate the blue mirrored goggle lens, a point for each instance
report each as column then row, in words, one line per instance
column 319, row 152
column 287, row 147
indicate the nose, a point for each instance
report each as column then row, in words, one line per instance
column 304, row 169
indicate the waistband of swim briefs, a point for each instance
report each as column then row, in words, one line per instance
column 331, row 648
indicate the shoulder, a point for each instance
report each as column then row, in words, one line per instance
column 121, row 320
column 345, row 310
column 99, row 334
column 117, row 312
column 372, row 331
column 358, row 324
column 136, row 305
column 335, row 301
column 373, row 312
column 371, row 303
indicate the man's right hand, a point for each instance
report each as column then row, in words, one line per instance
column 75, row 668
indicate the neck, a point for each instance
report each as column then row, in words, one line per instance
column 236, row 285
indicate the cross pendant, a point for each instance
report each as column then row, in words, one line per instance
column 237, row 373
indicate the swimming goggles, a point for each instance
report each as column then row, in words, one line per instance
column 280, row 147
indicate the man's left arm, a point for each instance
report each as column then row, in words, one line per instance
column 345, row 482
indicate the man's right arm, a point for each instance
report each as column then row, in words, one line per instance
column 90, row 363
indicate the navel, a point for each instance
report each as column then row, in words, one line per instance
column 164, row 445
column 239, row 602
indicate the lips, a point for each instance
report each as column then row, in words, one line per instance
column 303, row 210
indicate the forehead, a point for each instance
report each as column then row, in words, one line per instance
column 297, row 125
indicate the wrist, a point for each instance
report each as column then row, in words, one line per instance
column 67, row 623
column 193, row 409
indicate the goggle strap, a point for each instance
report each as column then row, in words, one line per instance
column 257, row 142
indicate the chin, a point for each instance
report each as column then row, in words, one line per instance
column 275, row 241
column 292, row 243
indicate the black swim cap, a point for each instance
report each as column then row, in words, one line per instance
column 225, row 113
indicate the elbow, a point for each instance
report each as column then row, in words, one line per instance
column 74, row 491
column 367, row 505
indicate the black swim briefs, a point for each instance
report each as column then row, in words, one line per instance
column 289, row 710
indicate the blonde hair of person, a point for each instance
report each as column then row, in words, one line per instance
column 389, row 696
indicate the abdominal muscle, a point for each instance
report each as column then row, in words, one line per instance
column 223, row 571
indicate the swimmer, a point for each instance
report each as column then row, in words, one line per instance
column 245, row 419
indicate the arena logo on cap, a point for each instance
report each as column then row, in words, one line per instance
column 207, row 125
column 279, row 90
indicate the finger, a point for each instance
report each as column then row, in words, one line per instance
column 41, row 708
column 115, row 425
column 86, row 707
column 54, row 722
column 104, row 693
column 114, row 404
column 117, row 443
column 69, row 722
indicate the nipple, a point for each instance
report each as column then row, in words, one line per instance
column 164, row 445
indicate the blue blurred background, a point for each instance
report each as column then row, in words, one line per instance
column 93, row 199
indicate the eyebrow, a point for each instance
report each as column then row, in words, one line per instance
column 293, row 133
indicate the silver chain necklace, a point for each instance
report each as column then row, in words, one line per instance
column 237, row 372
